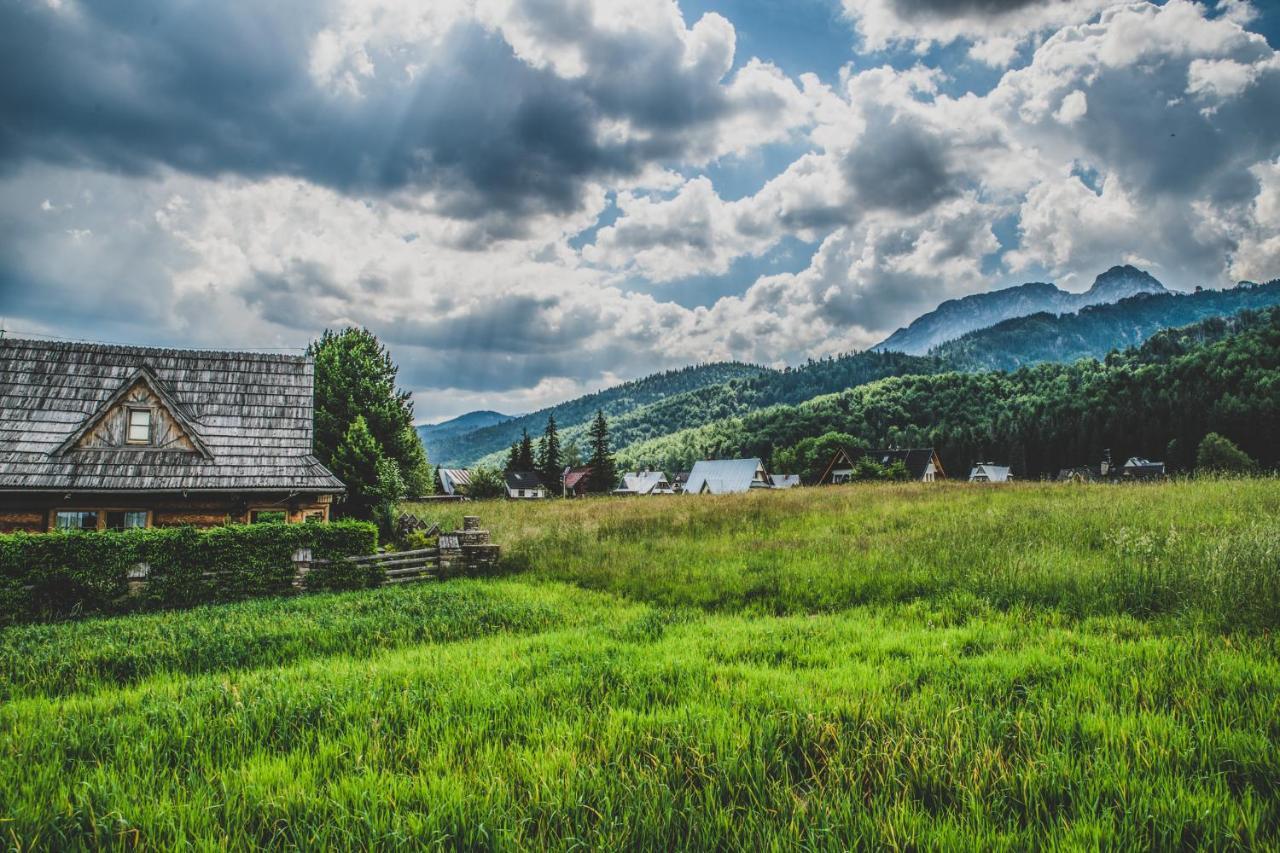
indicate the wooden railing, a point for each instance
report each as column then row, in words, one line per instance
column 400, row 566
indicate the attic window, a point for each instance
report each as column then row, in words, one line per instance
column 139, row 431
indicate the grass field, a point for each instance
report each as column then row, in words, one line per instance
column 902, row 666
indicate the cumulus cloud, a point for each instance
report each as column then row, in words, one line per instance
column 240, row 175
column 995, row 28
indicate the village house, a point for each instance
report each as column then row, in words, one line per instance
column 576, row 482
column 96, row 436
column 1136, row 468
column 453, row 481
column 524, row 485
column 785, row 481
column 644, row 483
column 989, row 472
column 922, row 464
column 727, row 476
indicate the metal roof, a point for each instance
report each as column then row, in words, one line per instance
column 523, row 480
column 248, row 414
column 723, row 476
column 785, row 481
column 643, row 482
column 453, row 478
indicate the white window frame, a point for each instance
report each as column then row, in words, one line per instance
column 128, row 425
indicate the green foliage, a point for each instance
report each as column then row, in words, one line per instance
column 549, row 463
column 1221, row 455
column 604, row 470
column 74, row 573
column 486, row 483
column 488, row 444
column 1179, row 386
column 355, row 380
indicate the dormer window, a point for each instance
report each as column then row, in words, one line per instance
column 139, row 427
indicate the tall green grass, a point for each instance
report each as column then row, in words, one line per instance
column 916, row 726
column 906, row 667
column 1206, row 549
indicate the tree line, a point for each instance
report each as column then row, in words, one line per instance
column 1159, row 400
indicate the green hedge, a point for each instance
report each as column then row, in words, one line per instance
column 52, row 575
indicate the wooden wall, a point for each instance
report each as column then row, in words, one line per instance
column 165, row 431
column 35, row 513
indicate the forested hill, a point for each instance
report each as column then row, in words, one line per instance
column 747, row 394
column 1158, row 400
column 1096, row 330
column 465, row 448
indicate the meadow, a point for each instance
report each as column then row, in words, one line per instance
column 913, row 667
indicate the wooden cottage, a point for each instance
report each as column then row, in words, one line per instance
column 576, row 482
column 727, row 476
column 922, row 464
column 96, row 436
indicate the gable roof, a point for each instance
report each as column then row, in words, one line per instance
column 915, row 459
column 249, row 416
column 642, row 482
column 452, row 479
column 523, row 480
column 990, row 473
column 785, row 481
column 573, row 477
column 724, row 476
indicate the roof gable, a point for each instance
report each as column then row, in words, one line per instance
column 251, row 413
column 105, row 428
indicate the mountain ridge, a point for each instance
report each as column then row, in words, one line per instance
column 956, row 317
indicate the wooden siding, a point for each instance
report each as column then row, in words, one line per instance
column 110, row 431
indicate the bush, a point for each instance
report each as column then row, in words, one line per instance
column 62, row 574
column 1220, row 454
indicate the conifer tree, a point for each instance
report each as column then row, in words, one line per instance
column 604, row 470
column 524, row 455
column 549, row 456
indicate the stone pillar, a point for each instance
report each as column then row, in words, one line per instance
column 468, row 551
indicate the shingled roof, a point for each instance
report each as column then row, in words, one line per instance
column 248, row 415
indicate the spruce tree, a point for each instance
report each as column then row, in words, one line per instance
column 549, row 461
column 513, row 458
column 604, row 470
column 524, row 455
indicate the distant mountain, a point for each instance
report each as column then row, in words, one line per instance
column 956, row 317
column 1098, row 329
column 747, row 394
column 432, row 434
column 467, row 447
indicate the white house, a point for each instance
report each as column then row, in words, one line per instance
column 727, row 476
column 986, row 472
column 524, row 485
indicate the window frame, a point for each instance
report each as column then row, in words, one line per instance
column 101, row 522
column 130, row 411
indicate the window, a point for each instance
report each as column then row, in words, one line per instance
column 139, row 431
column 76, row 519
column 126, row 518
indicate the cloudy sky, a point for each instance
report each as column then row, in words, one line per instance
column 529, row 199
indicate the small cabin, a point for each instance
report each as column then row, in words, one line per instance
column 576, row 481
column 922, row 463
column 644, row 483
column 103, row 437
column 453, row 481
column 989, row 472
column 524, row 485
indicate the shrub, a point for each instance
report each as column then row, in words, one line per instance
column 68, row 573
column 1220, row 454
